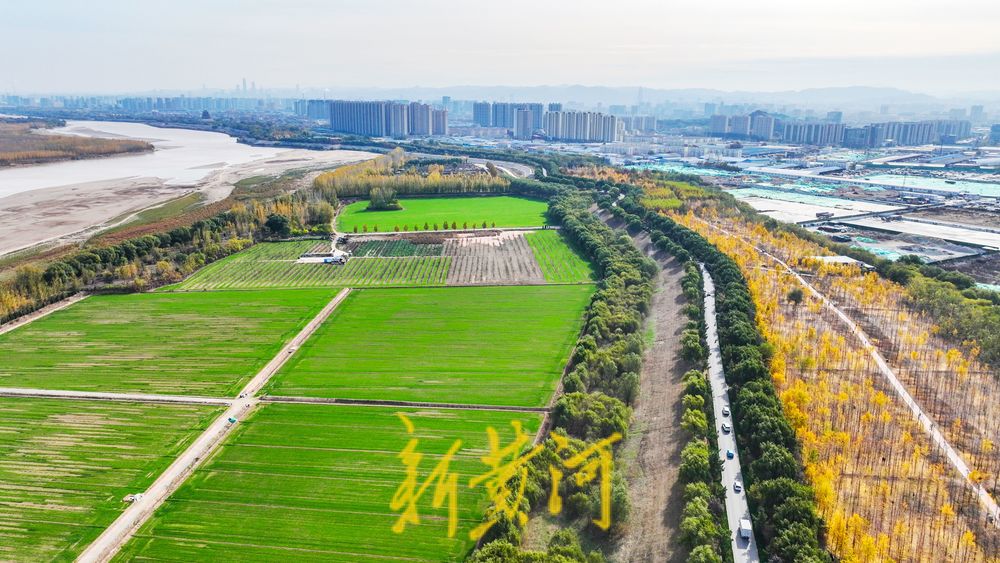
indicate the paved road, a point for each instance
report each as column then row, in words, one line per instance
column 114, row 536
column 736, row 503
column 954, row 458
column 126, row 397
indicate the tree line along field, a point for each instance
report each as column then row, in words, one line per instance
column 499, row 211
column 315, row 482
column 65, row 466
column 472, row 345
column 169, row 343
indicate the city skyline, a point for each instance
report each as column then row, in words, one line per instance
column 767, row 46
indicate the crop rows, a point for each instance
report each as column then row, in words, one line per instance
column 174, row 343
column 65, row 466
column 559, row 263
column 315, row 483
column 396, row 248
column 500, row 259
column 472, row 345
column 358, row 272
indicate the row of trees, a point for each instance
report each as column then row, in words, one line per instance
column 704, row 529
column 787, row 524
column 389, row 172
column 970, row 314
column 19, row 144
column 601, row 378
column 151, row 260
column 885, row 490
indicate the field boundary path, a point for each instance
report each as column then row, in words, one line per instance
column 121, row 530
column 732, row 472
column 939, row 440
column 46, row 310
column 387, row 403
column 121, row 397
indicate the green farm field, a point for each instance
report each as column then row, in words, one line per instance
column 65, row 466
column 273, row 266
column 559, row 262
column 505, row 211
column 470, row 345
column 315, row 482
column 206, row 343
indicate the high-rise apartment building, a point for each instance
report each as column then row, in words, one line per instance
column 583, row 126
column 397, row 123
column 718, row 125
column 977, row 115
column 386, row 119
column 439, row 122
column 739, row 126
column 420, row 119
column 761, row 126
column 813, row 133
column 482, row 114
column 835, row 116
column 523, row 124
column 555, row 106
column 359, row 118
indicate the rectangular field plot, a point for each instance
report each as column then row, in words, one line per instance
column 505, row 258
column 207, row 343
column 274, row 266
column 65, row 466
column 469, row 345
column 559, row 262
column 315, row 483
column 504, row 211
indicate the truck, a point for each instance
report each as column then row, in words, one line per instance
column 745, row 530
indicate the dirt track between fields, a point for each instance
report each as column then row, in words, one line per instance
column 44, row 311
column 128, row 522
column 653, row 449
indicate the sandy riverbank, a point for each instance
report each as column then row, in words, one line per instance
column 73, row 212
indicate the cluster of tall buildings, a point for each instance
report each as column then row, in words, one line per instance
column 944, row 131
column 760, row 126
column 385, row 119
column 184, row 104
column 583, row 126
column 527, row 119
column 757, row 125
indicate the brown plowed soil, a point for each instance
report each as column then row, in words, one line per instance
column 652, row 452
column 505, row 258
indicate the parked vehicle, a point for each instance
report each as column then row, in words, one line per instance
column 737, row 487
column 726, row 428
column 746, row 532
column 730, row 454
column 725, row 411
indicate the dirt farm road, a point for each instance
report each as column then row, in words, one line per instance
column 653, row 448
column 114, row 536
column 124, row 397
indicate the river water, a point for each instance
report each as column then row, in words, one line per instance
column 182, row 157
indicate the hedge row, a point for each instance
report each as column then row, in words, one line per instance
column 786, row 522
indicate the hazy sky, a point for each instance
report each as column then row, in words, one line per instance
column 135, row 45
